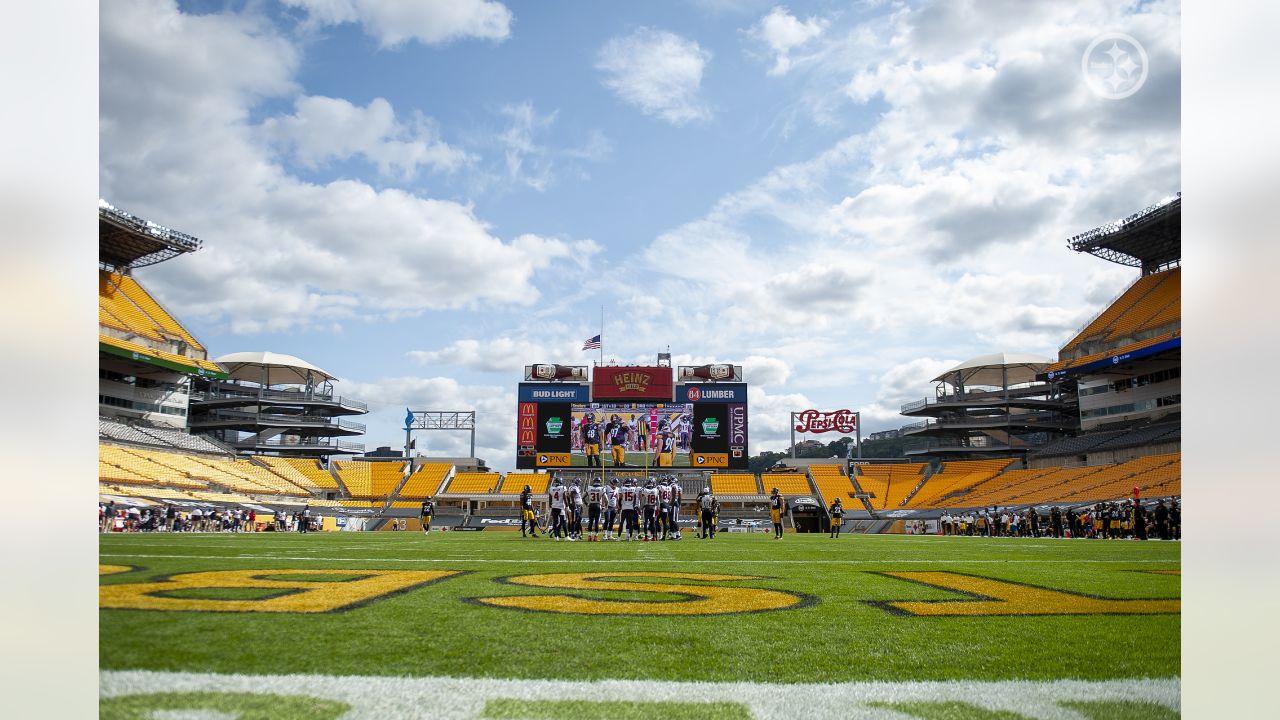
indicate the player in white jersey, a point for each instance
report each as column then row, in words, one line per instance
column 556, row 496
column 706, row 513
column 580, row 501
column 664, row 508
column 611, row 509
column 649, row 498
column 628, row 501
column 573, row 504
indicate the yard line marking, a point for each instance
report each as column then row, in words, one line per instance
column 682, row 560
column 465, row 698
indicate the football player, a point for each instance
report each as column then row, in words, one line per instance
column 574, row 504
column 777, row 507
column 628, row 500
column 556, row 498
column 706, row 508
column 595, row 498
column 666, row 444
column 677, row 496
column 649, row 496
column 426, row 513
column 664, row 507
column 837, row 517
column 617, row 431
column 611, row 509
column 591, row 439
column 526, row 512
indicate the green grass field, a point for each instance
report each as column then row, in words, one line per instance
column 743, row 609
column 636, row 459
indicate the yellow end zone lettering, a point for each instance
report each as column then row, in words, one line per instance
column 702, row 599
column 296, row 596
column 997, row 597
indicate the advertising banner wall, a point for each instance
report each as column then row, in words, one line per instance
column 631, row 383
column 554, row 392
column 712, row 392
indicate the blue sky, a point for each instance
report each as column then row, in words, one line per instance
column 846, row 198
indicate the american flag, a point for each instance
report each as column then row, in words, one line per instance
column 592, row 344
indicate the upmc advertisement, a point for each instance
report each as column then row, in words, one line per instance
column 719, row 424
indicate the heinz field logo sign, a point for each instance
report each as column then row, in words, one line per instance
column 627, row 383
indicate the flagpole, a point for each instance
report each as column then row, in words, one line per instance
column 602, row 334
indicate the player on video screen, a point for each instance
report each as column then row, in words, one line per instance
column 616, row 433
column 591, row 439
column 684, row 424
column 666, row 444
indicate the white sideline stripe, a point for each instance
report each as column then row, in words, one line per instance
column 378, row 698
column 624, row 561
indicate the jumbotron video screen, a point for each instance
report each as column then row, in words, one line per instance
column 705, row 427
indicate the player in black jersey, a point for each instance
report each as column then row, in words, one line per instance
column 526, row 512
column 837, row 517
column 617, row 432
column 426, row 513
column 590, row 430
column 777, row 506
column 666, row 445
column 595, row 500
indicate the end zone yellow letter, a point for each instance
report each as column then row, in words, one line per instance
column 307, row 593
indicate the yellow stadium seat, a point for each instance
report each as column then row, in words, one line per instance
column 734, row 484
column 425, row 482
column 473, row 483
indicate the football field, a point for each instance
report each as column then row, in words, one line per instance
column 636, row 460
column 386, row 624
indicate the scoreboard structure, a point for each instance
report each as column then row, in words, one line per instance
column 701, row 418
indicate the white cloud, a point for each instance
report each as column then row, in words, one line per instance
column 499, row 355
column 495, row 408
column 279, row 252
column 520, row 149
column 783, row 32
column 769, row 416
column 940, row 230
column 526, row 156
column 763, row 371
column 431, row 22
column 658, row 72
column 324, row 129
column 911, row 380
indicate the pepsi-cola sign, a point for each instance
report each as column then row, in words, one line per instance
column 813, row 421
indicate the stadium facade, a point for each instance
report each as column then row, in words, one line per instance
column 259, row 430
column 276, row 404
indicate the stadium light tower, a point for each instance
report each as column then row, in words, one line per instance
column 438, row 420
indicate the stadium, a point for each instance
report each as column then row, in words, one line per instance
column 1019, row 558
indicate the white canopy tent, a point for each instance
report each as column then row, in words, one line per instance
column 270, row 368
column 996, row 370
